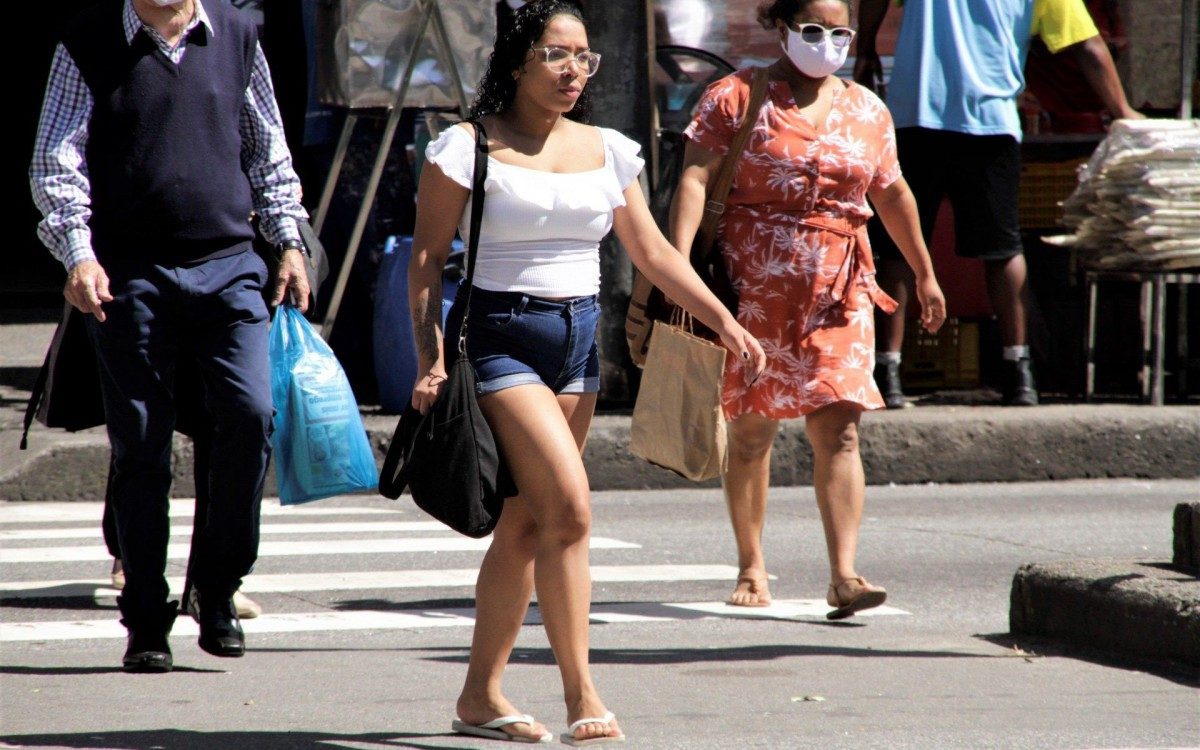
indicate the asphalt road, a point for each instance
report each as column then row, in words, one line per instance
column 343, row 658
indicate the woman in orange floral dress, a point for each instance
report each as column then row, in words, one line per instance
column 794, row 241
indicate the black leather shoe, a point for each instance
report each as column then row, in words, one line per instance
column 220, row 631
column 887, row 377
column 1019, row 389
column 147, row 651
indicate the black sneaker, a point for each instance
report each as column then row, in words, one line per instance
column 147, row 652
column 1019, row 389
column 220, row 631
column 887, row 377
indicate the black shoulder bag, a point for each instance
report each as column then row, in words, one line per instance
column 448, row 458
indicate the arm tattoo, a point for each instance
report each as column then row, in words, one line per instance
column 428, row 317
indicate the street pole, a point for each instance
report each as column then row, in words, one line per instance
column 622, row 31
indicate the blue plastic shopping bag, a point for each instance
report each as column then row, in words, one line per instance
column 321, row 447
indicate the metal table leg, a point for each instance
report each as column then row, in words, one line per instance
column 1145, row 300
column 335, row 170
column 1089, row 381
column 1181, row 343
column 1159, row 325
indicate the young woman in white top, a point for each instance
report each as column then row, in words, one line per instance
column 555, row 187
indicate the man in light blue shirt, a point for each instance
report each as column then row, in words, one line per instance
column 953, row 91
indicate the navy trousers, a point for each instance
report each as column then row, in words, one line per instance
column 215, row 310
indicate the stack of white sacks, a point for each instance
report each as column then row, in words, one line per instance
column 1138, row 200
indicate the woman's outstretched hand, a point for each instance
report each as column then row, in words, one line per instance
column 427, row 389
column 746, row 348
column 933, row 304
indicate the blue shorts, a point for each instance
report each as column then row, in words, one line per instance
column 514, row 339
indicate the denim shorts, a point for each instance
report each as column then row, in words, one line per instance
column 515, row 339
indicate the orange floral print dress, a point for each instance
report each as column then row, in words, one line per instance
column 795, row 243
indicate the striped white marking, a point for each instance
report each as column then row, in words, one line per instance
column 35, row 512
column 276, row 549
column 184, row 627
column 624, row 612
column 185, row 532
column 384, row 579
column 779, row 609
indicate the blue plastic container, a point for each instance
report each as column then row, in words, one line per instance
column 395, row 350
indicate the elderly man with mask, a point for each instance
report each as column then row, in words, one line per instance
column 159, row 136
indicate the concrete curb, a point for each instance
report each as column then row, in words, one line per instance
column 943, row 444
column 1139, row 609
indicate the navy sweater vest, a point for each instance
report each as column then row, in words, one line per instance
column 164, row 148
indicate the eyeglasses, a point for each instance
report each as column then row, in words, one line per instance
column 815, row 33
column 558, row 58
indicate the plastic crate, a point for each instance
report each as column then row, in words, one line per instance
column 946, row 359
column 1044, row 185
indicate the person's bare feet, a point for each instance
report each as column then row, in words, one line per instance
column 482, row 710
column 852, row 595
column 592, row 709
column 751, row 590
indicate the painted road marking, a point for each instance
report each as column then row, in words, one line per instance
column 275, row 549
column 330, row 621
column 36, row 512
column 185, row 532
column 357, row 581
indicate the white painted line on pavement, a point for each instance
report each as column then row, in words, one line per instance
column 275, row 549
column 613, row 613
column 357, row 581
column 35, row 512
column 185, row 532
column 779, row 609
column 286, row 623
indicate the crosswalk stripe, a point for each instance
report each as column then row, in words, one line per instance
column 273, row 549
column 183, row 532
column 357, row 581
column 180, row 508
column 611, row 613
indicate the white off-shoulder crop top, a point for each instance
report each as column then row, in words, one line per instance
column 541, row 230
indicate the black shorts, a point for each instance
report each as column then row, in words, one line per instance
column 980, row 176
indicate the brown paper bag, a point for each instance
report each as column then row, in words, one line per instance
column 678, row 423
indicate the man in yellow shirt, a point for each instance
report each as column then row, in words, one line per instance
column 953, row 95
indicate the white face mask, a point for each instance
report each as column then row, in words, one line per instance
column 814, row 60
column 515, row 4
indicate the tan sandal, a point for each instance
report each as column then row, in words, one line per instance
column 865, row 597
column 758, row 587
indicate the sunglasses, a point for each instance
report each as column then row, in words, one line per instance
column 815, row 33
column 558, row 58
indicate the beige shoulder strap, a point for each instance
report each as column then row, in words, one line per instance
column 714, row 206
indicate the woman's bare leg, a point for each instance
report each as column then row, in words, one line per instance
column 541, row 436
column 839, row 482
column 502, row 594
column 750, row 439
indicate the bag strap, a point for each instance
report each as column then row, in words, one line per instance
column 393, row 475
column 714, row 206
column 478, row 178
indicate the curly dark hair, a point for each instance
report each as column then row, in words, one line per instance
column 786, row 10
column 498, row 88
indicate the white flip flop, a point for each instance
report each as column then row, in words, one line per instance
column 491, row 729
column 568, row 737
